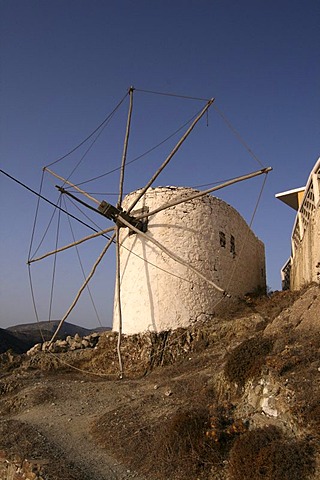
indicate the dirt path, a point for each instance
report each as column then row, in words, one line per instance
column 65, row 419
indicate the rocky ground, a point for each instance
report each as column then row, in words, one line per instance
column 234, row 399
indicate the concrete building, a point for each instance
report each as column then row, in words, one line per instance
column 303, row 266
column 159, row 293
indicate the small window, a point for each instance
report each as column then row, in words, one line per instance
column 222, row 238
column 232, row 245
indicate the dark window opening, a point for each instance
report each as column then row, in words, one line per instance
column 222, row 238
column 232, row 245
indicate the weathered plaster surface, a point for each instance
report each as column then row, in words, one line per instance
column 157, row 293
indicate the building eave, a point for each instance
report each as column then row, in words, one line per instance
column 291, row 197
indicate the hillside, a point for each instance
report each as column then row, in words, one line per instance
column 20, row 338
column 10, row 341
column 234, row 399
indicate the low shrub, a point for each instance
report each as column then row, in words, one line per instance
column 193, row 442
column 180, row 443
column 246, row 360
column 267, row 454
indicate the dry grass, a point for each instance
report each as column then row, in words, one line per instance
column 246, row 360
column 267, row 454
column 176, row 443
column 178, row 448
column 296, row 360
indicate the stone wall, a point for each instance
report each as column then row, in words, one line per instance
column 159, row 293
column 69, row 344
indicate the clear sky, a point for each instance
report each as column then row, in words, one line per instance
column 65, row 64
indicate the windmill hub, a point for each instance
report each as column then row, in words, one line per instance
column 112, row 213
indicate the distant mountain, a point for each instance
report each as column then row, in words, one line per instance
column 10, row 341
column 20, row 338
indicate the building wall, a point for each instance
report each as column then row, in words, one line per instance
column 305, row 242
column 305, row 267
column 207, row 233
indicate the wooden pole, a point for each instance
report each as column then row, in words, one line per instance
column 61, row 249
column 167, row 160
column 82, row 287
column 125, row 149
column 118, row 290
column 72, row 185
column 204, row 192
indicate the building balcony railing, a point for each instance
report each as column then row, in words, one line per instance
column 309, row 203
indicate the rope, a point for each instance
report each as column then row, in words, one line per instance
column 83, row 286
column 73, row 244
column 172, row 95
column 36, row 213
column 54, row 264
column 90, row 147
column 34, row 302
column 89, row 136
column 45, row 232
column 250, row 224
column 246, row 237
column 143, row 154
column 51, row 203
column 98, row 227
column 79, row 190
column 82, row 270
column 203, row 192
column 169, row 157
column 195, row 187
column 237, row 134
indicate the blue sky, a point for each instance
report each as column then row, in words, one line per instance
column 66, row 64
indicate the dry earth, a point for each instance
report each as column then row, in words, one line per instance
column 234, row 399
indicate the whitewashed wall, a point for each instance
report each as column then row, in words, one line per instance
column 158, row 293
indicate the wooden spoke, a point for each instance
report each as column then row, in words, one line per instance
column 204, row 192
column 74, row 186
column 75, row 301
column 78, row 242
column 125, row 149
column 118, row 293
column 167, row 160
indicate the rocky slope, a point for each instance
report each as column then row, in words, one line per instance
column 234, row 399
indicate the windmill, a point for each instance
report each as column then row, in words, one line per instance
column 132, row 218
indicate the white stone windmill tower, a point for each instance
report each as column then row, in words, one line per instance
column 181, row 254
column 196, row 257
